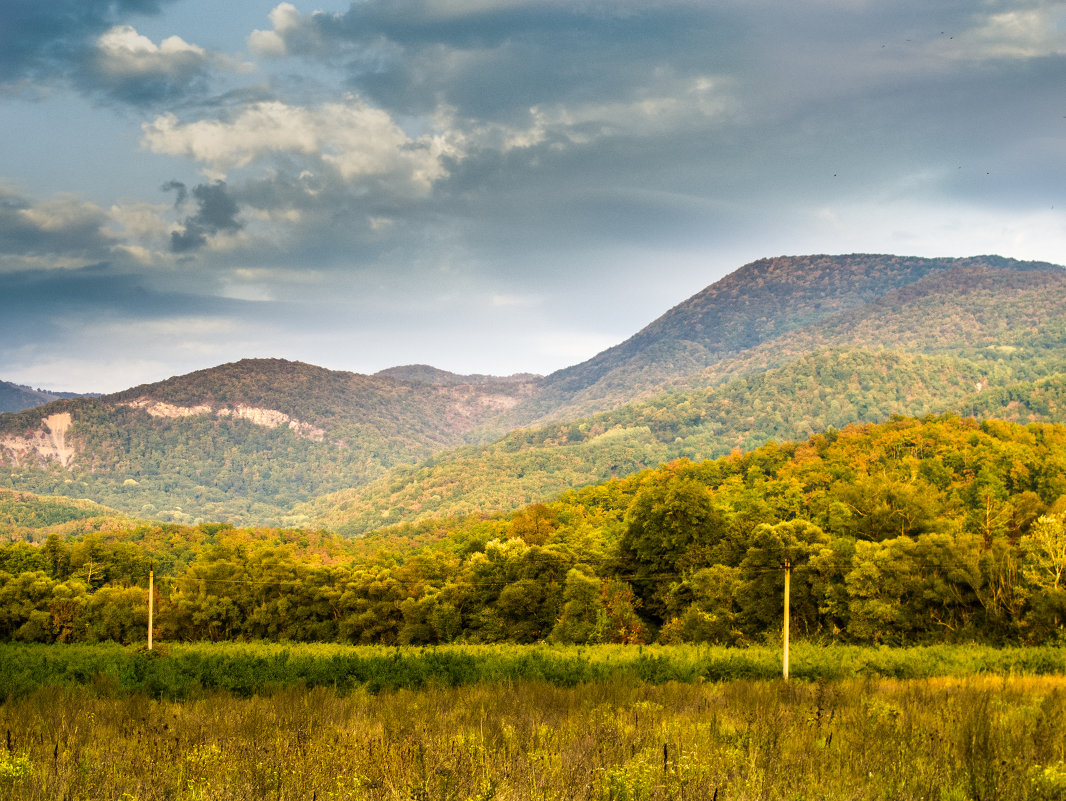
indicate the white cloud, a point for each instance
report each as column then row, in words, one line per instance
column 662, row 108
column 66, row 214
column 141, row 222
column 1030, row 33
column 124, row 53
column 650, row 111
column 356, row 140
column 271, row 44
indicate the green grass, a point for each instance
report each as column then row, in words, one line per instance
column 607, row 723
column 181, row 671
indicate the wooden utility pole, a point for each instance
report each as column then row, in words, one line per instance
column 788, row 575
column 151, row 603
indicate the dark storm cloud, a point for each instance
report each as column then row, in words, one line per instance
column 40, row 305
column 217, row 212
column 44, row 39
column 45, row 306
column 84, row 43
column 180, row 192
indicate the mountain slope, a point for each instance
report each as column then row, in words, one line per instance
column 15, row 397
column 827, row 389
column 969, row 338
column 757, row 304
column 243, row 441
column 780, row 349
column 25, row 515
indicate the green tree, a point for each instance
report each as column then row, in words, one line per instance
column 583, row 615
column 1044, row 570
column 788, row 545
column 672, row 528
column 713, row 613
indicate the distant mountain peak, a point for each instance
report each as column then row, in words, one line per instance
column 781, row 346
column 434, row 376
column 16, row 397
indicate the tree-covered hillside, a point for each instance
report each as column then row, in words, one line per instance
column 764, row 301
column 824, row 390
column 15, row 397
column 781, row 348
column 23, row 515
column 970, row 338
column 242, row 441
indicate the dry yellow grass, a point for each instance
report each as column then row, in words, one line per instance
column 946, row 738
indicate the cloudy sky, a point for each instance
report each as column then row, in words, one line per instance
column 488, row 186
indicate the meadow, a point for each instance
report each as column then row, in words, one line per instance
column 611, row 724
column 179, row 671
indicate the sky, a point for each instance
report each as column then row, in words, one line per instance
column 487, row 186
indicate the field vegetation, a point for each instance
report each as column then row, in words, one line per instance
column 188, row 671
column 983, row 737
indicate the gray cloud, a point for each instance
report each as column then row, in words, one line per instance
column 217, row 211
column 573, row 130
column 43, row 40
column 127, row 67
column 539, row 165
column 89, row 45
column 64, row 226
column 180, row 192
column 493, row 61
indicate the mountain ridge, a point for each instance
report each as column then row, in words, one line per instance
column 252, row 440
column 735, row 314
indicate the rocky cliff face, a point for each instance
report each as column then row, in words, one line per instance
column 47, row 443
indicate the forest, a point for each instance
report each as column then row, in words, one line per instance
column 916, row 531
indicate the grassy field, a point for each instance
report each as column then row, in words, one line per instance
column 947, row 738
column 964, row 724
column 183, row 671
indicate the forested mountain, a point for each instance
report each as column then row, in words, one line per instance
column 425, row 374
column 24, row 515
column 980, row 337
column 242, row 441
column 764, row 301
column 781, row 349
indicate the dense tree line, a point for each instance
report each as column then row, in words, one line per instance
column 941, row 529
